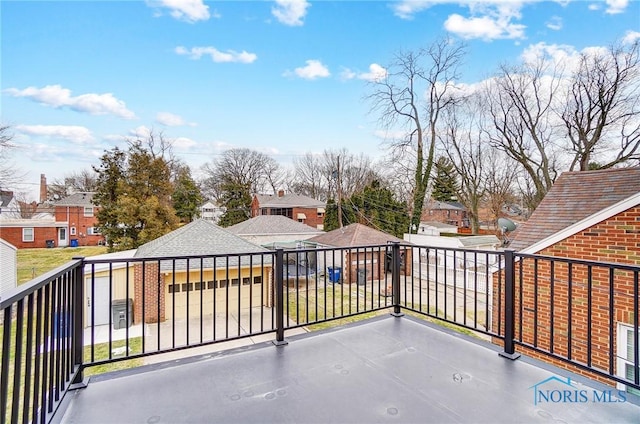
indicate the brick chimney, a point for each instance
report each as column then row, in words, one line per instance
column 280, row 193
column 43, row 188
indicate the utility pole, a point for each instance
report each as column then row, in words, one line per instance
column 339, row 195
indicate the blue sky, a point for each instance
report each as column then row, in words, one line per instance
column 283, row 77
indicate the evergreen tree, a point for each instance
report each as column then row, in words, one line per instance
column 186, row 196
column 236, row 198
column 445, row 183
column 133, row 192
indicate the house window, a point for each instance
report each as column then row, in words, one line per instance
column 88, row 211
column 27, row 234
column 93, row 231
column 72, row 231
column 626, row 350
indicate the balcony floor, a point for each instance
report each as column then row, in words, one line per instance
column 388, row 369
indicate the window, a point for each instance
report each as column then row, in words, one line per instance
column 93, row 231
column 235, row 282
column 223, row 283
column 626, row 357
column 174, row 288
column 211, row 284
column 27, row 234
column 198, row 285
column 187, row 288
column 257, row 280
column 246, row 281
column 88, row 211
column 72, row 231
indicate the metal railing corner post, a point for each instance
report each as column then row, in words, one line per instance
column 509, row 306
column 78, row 325
column 279, row 301
column 395, row 278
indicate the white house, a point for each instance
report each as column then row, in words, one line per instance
column 9, row 266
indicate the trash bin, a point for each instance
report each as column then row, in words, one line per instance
column 51, row 243
column 61, row 324
column 121, row 313
column 334, row 274
column 362, row 276
column 74, row 243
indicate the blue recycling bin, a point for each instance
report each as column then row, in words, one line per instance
column 334, row 274
column 74, row 242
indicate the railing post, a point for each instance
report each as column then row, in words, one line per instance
column 395, row 278
column 279, row 282
column 509, row 305
column 78, row 325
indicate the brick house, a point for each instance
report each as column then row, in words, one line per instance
column 590, row 215
column 303, row 209
column 69, row 222
column 452, row 213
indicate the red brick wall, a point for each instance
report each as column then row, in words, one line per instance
column 614, row 240
column 74, row 215
column 152, row 296
column 40, row 236
column 313, row 220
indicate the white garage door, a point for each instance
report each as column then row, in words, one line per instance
column 98, row 301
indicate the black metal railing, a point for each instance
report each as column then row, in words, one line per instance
column 90, row 313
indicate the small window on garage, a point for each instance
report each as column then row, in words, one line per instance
column 257, row 279
column 174, row 288
column 187, row 287
column 246, row 281
column 198, row 285
column 27, row 234
column 223, row 283
column 211, row 284
column 235, row 282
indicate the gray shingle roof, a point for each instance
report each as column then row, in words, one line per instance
column 576, row 196
column 271, row 224
column 204, row 239
column 83, row 198
column 354, row 235
column 288, row 201
column 451, row 206
column 198, row 238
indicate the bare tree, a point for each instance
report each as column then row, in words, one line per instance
column 500, row 179
column 85, row 180
column 464, row 148
column 519, row 101
column 9, row 175
column 412, row 95
column 309, row 179
column 602, row 111
column 241, row 166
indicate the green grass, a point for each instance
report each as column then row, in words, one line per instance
column 35, row 262
column 101, row 352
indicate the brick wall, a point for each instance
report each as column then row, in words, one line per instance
column 577, row 291
column 13, row 235
column 153, row 295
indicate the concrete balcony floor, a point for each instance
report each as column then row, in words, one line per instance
column 388, row 369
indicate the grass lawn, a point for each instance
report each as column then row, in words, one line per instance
column 35, row 262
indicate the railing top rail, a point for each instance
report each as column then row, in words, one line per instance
column 141, row 259
column 586, row 262
column 23, row 290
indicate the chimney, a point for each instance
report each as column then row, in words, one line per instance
column 43, row 188
column 280, row 193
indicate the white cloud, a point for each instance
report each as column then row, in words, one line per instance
column 230, row 56
column 290, row 12
column 559, row 54
column 184, row 10
column 594, row 6
column 616, row 6
column 554, row 23
column 58, row 97
column 314, row 69
column 630, row 37
column 484, row 27
column 169, row 119
column 141, row 132
column 376, row 73
column 73, row 133
column 347, row 74
column 183, row 143
column 407, row 8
